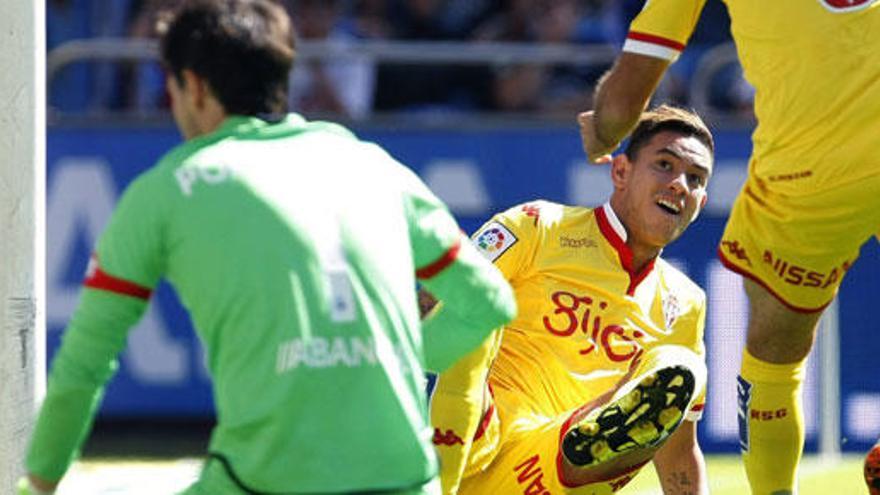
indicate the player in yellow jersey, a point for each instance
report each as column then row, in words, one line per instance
column 812, row 197
column 603, row 369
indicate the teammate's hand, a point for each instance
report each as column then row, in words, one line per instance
column 597, row 151
column 26, row 487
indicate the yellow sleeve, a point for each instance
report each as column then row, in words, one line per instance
column 663, row 28
column 461, row 395
column 460, row 399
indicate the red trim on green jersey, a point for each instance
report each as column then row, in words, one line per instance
column 441, row 263
column 98, row 279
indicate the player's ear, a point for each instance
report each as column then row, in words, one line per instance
column 197, row 85
column 621, row 168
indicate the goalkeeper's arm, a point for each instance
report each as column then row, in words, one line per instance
column 476, row 299
column 84, row 363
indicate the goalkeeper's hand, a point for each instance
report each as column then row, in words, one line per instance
column 26, row 487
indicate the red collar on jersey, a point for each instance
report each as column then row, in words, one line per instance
column 623, row 251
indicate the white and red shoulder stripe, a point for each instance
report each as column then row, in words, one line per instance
column 652, row 45
column 96, row 278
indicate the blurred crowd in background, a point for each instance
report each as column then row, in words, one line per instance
column 356, row 89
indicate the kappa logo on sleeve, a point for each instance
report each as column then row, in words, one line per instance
column 493, row 240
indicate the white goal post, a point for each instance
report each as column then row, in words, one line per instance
column 22, row 228
column 828, row 354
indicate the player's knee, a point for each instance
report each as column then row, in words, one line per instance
column 777, row 333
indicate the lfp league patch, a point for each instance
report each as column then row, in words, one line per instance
column 493, row 240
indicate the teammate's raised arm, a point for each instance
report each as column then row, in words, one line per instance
column 621, row 96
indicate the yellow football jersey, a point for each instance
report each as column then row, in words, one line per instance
column 584, row 314
column 584, row 317
column 816, row 69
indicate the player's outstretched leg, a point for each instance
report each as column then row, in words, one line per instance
column 872, row 470
column 627, row 430
column 642, row 418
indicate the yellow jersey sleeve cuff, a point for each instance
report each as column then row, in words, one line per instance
column 652, row 46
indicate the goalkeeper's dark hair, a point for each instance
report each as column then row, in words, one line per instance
column 244, row 49
column 668, row 118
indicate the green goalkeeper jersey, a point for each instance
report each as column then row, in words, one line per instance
column 296, row 249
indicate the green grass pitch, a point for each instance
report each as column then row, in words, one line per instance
column 116, row 476
column 817, row 476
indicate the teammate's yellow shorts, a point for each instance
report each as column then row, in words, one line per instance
column 800, row 247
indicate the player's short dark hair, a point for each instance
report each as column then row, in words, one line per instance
column 668, row 118
column 244, row 49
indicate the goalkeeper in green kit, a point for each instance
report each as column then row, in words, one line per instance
column 295, row 248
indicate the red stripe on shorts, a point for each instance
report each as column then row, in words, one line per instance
column 484, row 424
column 754, row 278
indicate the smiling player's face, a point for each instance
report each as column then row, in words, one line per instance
column 660, row 192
